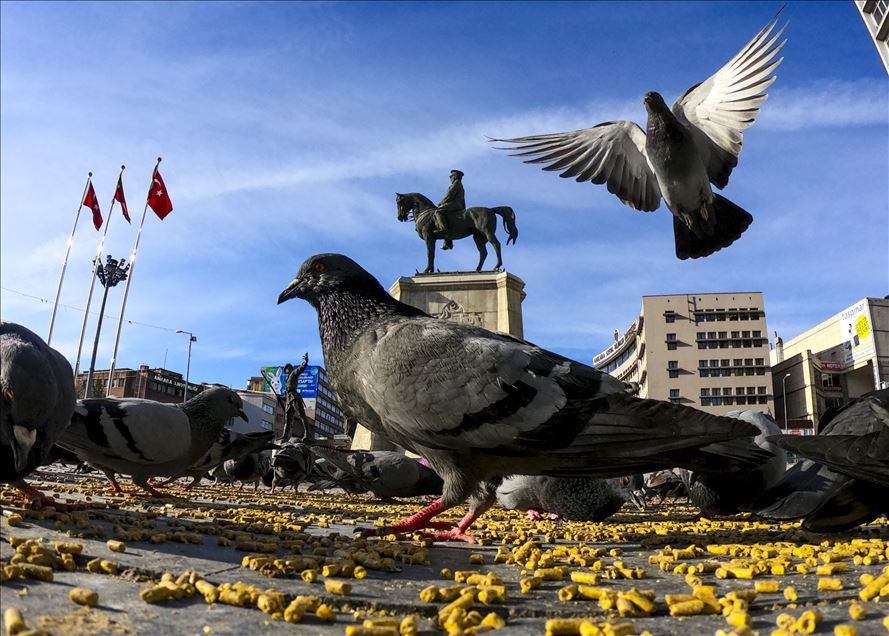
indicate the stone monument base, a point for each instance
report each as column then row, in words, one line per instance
column 492, row 300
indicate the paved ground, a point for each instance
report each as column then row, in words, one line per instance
column 211, row 529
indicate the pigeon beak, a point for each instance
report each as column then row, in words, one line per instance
column 292, row 290
column 242, row 415
column 637, row 501
column 21, row 446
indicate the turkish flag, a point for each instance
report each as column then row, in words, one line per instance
column 120, row 198
column 92, row 202
column 158, row 199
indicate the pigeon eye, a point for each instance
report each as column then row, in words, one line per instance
column 319, row 267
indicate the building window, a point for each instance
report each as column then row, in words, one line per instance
column 763, row 399
column 727, row 390
column 761, row 390
column 673, row 373
column 671, row 346
column 671, row 337
column 673, row 364
column 267, row 408
column 669, row 317
column 705, row 391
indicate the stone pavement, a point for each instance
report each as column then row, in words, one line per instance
column 212, row 530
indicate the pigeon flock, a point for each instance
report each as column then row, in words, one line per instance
column 486, row 417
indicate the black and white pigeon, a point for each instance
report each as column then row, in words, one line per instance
column 229, row 445
column 144, row 438
column 291, row 463
column 387, row 474
column 571, row 499
column 37, row 387
column 681, row 152
column 480, row 405
column 717, row 494
column 844, row 480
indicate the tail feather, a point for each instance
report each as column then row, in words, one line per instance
column 729, row 223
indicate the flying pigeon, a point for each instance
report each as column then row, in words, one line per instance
column 37, row 386
column 681, row 152
column 291, row 463
column 571, row 499
column 230, row 445
column 479, row 405
column 717, row 494
column 844, row 480
column 144, row 438
column 386, row 474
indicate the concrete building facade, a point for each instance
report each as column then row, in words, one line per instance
column 709, row 351
column 835, row 361
column 160, row 385
column 875, row 14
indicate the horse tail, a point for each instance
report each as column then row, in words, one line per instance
column 508, row 222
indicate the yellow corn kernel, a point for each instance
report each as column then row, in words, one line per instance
column 325, row 613
column 766, row 586
column 785, row 622
column 429, row 594
column 857, row 612
column 337, row 587
column 746, row 595
column 492, row 594
column 830, row 569
column 790, row 593
column 208, row 590
column 563, row 626
column 808, row 622
column 68, row 548
column 588, row 628
column 464, row 602
column 494, row 621
column 294, row 612
column 116, row 546
column 738, row 619
column 873, row 588
column 409, row 626
column 830, row 584
column 587, row 578
column 155, row 594
column 678, row 598
column 568, row 593
column 359, row 572
column 36, row 572
column 552, row 574
column 529, row 583
column 83, row 596
column 640, row 601
column 477, row 559
column 12, row 619
column 845, row 630
column 309, row 576
column 446, row 573
column 687, row 608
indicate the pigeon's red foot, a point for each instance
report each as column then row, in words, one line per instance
column 419, row 521
column 151, row 492
column 533, row 515
column 36, row 499
column 450, row 535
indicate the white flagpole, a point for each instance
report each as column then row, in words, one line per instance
column 126, row 291
column 89, row 297
column 55, row 307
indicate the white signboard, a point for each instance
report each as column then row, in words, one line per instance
column 856, row 333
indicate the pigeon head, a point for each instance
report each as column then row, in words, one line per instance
column 217, row 403
column 323, row 274
column 654, row 103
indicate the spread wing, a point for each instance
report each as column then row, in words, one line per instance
column 719, row 109
column 612, row 153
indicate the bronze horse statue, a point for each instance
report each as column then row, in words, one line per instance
column 479, row 223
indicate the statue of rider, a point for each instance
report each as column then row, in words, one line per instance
column 294, row 408
column 453, row 201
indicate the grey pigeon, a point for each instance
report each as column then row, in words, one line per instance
column 291, row 463
column 572, row 499
column 249, row 469
column 679, row 155
column 479, row 405
column 144, row 438
column 844, row 482
column 229, row 445
column 717, row 494
column 386, row 474
column 37, row 386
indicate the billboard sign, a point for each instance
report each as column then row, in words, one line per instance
column 307, row 385
column 273, row 379
column 856, row 333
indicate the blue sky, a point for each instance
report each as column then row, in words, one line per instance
column 286, row 129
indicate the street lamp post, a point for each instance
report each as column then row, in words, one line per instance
column 191, row 338
column 784, row 390
column 110, row 275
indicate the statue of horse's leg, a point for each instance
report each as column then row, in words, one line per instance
column 430, row 256
column 493, row 241
column 482, row 250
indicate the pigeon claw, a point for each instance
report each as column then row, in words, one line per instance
column 449, row 535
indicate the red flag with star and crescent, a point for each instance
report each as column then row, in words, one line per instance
column 91, row 201
column 158, row 199
column 120, row 198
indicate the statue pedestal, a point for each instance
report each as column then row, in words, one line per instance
column 492, row 300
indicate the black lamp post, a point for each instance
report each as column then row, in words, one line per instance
column 111, row 274
column 191, row 338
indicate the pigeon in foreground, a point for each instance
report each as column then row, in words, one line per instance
column 144, row 438
column 681, row 152
column 230, row 445
column 479, row 405
column 291, row 463
column 572, row 499
column 844, row 482
column 37, row 386
column 386, row 474
column 717, row 494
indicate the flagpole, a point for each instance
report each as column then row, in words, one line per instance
column 126, row 290
column 55, row 307
column 89, row 297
